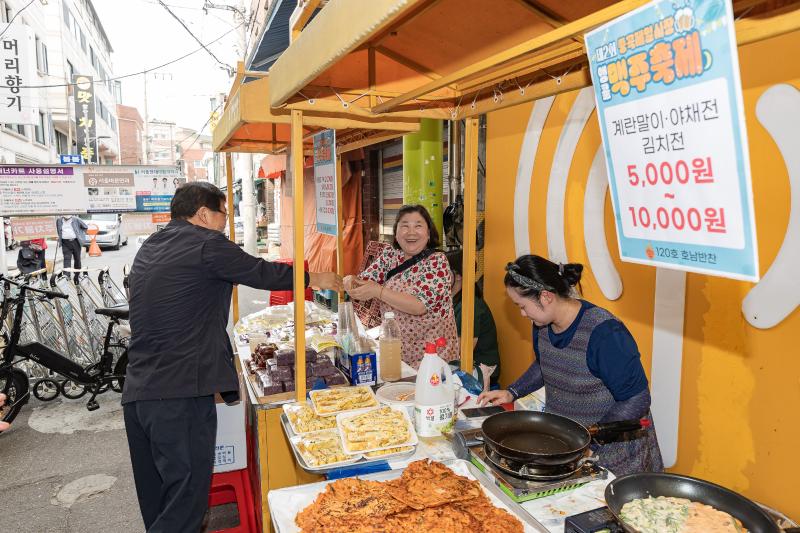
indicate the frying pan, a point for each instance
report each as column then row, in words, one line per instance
column 545, row 439
column 631, row 487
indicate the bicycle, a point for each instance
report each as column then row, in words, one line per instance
column 95, row 378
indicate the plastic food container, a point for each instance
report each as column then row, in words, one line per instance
column 398, row 395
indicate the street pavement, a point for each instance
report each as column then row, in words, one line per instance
column 67, row 470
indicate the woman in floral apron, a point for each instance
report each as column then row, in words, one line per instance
column 413, row 280
column 586, row 359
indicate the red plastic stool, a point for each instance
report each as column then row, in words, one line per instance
column 234, row 487
column 284, row 297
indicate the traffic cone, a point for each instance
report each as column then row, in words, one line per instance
column 94, row 249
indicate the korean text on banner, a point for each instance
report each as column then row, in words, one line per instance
column 155, row 187
column 18, row 61
column 325, row 181
column 26, row 228
column 669, row 101
column 41, row 190
column 55, row 190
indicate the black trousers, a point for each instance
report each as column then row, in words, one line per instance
column 72, row 248
column 172, row 453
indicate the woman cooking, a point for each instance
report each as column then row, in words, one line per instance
column 586, row 359
column 413, row 280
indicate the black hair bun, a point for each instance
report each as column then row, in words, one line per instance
column 572, row 273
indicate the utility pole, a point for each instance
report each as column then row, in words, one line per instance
column 244, row 161
column 247, row 209
column 146, row 125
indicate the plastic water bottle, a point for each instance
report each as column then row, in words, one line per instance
column 391, row 347
column 434, row 398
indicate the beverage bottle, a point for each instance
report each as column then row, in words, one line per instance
column 434, row 395
column 390, row 347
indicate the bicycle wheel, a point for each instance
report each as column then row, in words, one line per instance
column 119, row 370
column 14, row 385
column 72, row 390
column 46, row 389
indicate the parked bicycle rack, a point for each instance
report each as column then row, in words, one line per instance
column 68, row 326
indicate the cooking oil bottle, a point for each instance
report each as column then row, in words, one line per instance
column 434, row 398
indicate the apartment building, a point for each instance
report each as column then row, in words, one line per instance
column 69, row 40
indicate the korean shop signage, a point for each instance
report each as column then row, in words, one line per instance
column 83, row 93
column 669, row 102
column 325, row 181
column 17, row 60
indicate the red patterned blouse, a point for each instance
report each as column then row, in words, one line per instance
column 429, row 281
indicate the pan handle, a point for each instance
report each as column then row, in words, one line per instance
column 621, row 426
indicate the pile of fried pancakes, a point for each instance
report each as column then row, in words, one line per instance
column 427, row 497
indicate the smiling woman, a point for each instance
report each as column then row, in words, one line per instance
column 412, row 279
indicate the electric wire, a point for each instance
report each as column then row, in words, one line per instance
column 138, row 73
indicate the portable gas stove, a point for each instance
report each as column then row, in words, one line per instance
column 518, row 488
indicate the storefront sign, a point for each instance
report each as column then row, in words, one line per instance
column 83, row 93
column 669, row 101
column 26, row 228
column 53, row 190
column 325, row 181
column 43, row 190
column 18, row 61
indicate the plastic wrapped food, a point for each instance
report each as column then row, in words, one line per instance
column 323, row 369
column 284, row 357
column 282, row 373
column 268, row 385
column 335, row 379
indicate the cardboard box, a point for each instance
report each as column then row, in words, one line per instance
column 230, row 451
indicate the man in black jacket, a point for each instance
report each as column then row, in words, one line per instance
column 180, row 356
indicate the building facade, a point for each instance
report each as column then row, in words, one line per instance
column 160, row 145
column 70, row 40
column 175, row 145
column 131, row 135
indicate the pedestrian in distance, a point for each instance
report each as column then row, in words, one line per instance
column 30, row 257
column 180, row 355
column 72, row 236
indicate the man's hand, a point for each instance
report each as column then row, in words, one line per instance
column 3, row 425
column 325, row 280
column 351, row 282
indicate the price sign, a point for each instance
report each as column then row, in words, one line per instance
column 668, row 92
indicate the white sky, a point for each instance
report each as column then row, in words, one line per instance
column 143, row 35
